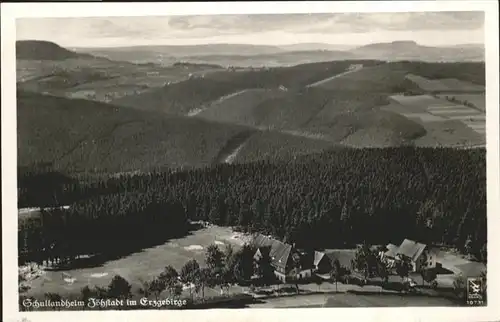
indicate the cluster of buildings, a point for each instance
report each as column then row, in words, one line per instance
column 292, row 264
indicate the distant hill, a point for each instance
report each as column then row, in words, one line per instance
column 242, row 56
column 316, row 46
column 273, row 60
column 253, row 55
column 410, row 50
column 44, row 50
column 179, row 50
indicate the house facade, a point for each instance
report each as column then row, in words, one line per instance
column 281, row 256
column 419, row 255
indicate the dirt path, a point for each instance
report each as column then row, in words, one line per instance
column 357, row 68
column 218, row 101
column 230, row 151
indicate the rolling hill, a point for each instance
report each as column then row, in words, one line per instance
column 343, row 110
column 44, row 50
column 81, row 136
column 73, row 75
column 199, row 93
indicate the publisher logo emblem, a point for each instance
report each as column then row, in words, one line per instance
column 474, row 289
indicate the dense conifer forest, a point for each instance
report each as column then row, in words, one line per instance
column 330, row 199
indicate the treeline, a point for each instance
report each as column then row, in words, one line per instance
column 473, row 72
column 331, row 199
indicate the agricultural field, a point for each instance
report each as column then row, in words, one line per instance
column 478, row 101
column 101, row 79
column 445, row 123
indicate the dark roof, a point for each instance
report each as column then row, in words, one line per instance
column 344, row 256
column 411, row 249
column 279, row 252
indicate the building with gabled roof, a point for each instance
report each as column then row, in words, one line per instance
column 420, row 255
column 281, row 257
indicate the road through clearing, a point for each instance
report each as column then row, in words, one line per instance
column 197, row 111
column 326, row 80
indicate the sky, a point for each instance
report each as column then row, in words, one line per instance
column 351, row 29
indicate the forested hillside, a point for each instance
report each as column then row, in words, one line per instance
column 339, row 197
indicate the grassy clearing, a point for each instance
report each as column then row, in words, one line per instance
column 140, row 266
column 449, row 133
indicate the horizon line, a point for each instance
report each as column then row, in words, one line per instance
column 352, row 46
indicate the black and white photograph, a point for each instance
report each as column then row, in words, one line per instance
column 262, row 160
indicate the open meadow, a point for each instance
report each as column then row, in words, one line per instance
column 140, row 266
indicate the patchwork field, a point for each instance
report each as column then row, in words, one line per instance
column 445, row 123
column 478, row 101
column 100, row 79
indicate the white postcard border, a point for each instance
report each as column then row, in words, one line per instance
column 9, row 12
